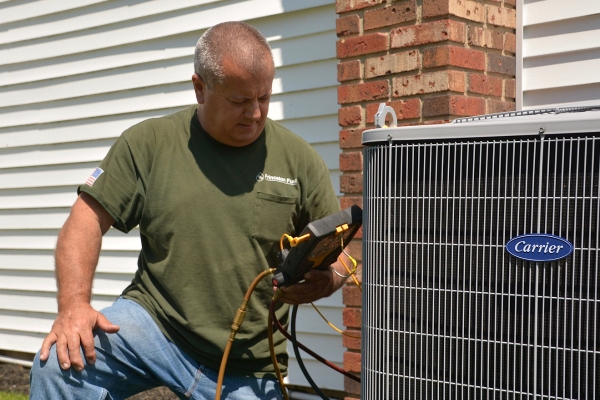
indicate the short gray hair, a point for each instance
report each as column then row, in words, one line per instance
column 238, row 40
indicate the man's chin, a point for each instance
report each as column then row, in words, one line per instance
column 244, row 137
column 244, row 134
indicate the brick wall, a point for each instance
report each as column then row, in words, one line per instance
column 432, row 61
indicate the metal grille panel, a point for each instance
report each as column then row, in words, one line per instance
column 447, row 312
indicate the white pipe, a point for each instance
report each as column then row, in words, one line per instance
column 11, row 360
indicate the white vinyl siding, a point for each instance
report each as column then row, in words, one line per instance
column 75, row 74
column 560, row 53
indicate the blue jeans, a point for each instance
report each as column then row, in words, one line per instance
column 137, row 358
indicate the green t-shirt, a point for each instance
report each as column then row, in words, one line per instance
column 210, row 219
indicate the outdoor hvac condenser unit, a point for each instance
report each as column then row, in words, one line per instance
column 481, row 254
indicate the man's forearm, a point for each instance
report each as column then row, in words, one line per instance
column 77, row 254
column 78, row 250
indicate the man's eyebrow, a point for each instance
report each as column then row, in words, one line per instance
column 243, row 97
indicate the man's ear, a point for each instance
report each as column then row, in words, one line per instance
column 199, row 88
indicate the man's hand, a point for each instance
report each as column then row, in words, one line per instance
column 318, row 283
column 72, row 329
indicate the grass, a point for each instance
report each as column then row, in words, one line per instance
column 12, row 396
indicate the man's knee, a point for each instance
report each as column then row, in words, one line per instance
column 49, row 381
column 46, row 377
column 45, row 370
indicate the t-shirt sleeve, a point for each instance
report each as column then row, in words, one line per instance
column 119, row 185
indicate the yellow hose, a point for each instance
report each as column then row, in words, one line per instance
column 235, row 326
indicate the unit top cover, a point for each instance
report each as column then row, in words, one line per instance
column 556, row 121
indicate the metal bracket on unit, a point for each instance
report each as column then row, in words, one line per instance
column 541, row 132
column 382, row 112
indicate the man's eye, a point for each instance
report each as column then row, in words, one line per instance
column 236, row 103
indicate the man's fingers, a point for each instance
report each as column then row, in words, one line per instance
column 73, row 334
column 49, row 340
column 293, row 295
column 87, row 343
column 73, row 345
column 103, row 323
column 317, row 284
column 317, row 274
column 62, row 352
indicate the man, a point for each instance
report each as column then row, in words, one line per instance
column 212, row 188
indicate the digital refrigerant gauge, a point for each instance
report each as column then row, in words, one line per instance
column 327, row 238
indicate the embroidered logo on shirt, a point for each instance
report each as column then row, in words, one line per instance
column 97, row 172
column 266, row 177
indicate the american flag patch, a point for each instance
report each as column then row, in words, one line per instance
column 97, row 172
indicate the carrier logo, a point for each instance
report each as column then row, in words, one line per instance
column 266, row 177
column 539, row 247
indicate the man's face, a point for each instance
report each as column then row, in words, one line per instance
column 234, row 112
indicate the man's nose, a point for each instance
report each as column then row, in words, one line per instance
column 253, row 110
